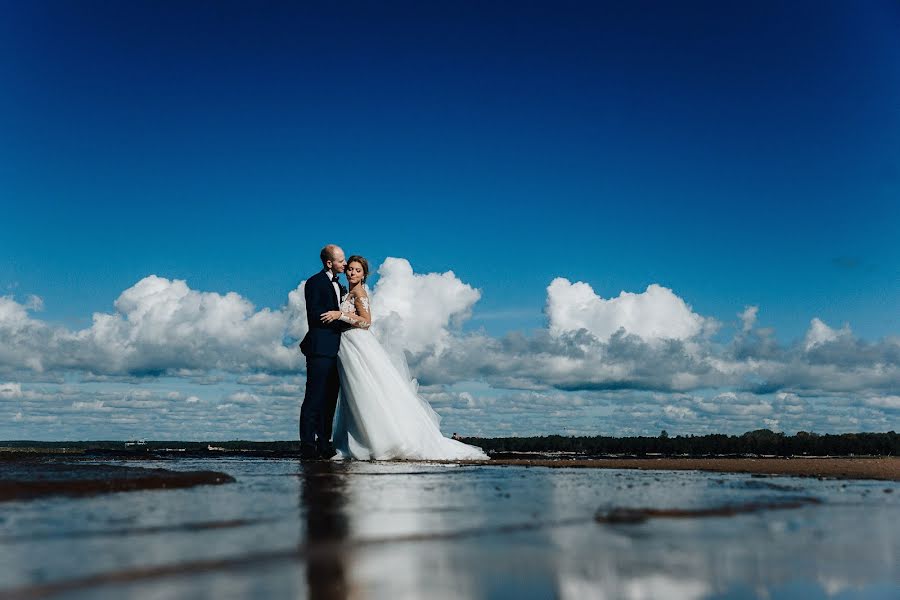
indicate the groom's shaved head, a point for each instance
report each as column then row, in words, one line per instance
column 327, row 253
column 333, row 258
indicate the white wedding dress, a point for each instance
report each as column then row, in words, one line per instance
column 380, row 416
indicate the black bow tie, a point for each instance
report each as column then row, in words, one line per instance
column 335, row 279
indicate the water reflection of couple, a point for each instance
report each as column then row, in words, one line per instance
column 323, row 498
column 380, row 417
column 350, row 543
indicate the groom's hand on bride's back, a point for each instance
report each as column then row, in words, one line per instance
column 330, row 316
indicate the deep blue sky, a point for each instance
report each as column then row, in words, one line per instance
column 739, row 153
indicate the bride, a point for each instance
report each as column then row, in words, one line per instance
column 380, row 416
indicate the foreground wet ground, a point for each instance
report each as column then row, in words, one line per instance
column 420, row 530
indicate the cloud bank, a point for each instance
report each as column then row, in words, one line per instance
column 159, row 326
column 640, row 359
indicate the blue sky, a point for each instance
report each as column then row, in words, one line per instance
column 738, row 155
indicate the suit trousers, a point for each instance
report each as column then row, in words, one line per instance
column 320, row 401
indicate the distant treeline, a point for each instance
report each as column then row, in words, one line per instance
column 761, row 441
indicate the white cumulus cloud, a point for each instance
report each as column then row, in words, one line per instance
column 162, row 324
column 819, row 333
column 416, row 312
column 655, row 314
column 159, row 325
column 748, row 318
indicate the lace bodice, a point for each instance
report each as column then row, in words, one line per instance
column 348, row 307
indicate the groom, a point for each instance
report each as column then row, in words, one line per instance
column 323, row 292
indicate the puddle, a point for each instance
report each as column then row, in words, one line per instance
column 345, row 530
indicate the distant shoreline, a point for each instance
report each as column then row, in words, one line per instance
column 752, row 444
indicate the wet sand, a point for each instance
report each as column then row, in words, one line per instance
column 323, row 529
column 880, row 468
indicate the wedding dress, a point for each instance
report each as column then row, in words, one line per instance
column 380, row 416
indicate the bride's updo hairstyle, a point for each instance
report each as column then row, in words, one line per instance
column 363, row 262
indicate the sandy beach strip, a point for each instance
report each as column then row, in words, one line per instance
column 882, row 468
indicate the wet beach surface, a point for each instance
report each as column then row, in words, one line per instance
column 284, row 528
column 886, row 468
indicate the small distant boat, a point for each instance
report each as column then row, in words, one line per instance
column 137, row 443
column 219, row 448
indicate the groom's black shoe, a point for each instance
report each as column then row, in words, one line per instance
column 326, row 451
column 308, row 451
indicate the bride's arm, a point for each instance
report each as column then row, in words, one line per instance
column 362, row 319
column 363, row 316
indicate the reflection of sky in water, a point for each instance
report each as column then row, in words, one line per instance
column 435, row 531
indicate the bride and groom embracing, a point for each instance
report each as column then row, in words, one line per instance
column 380, row 415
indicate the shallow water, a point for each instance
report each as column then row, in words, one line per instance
column 420, row 530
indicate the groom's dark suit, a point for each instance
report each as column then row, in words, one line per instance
column 320, row 346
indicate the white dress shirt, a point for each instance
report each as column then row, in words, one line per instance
column 334, row 284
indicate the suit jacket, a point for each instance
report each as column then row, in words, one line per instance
column 323, row 339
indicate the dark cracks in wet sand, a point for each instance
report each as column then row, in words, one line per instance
column 641, row 515
column 26, row 480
